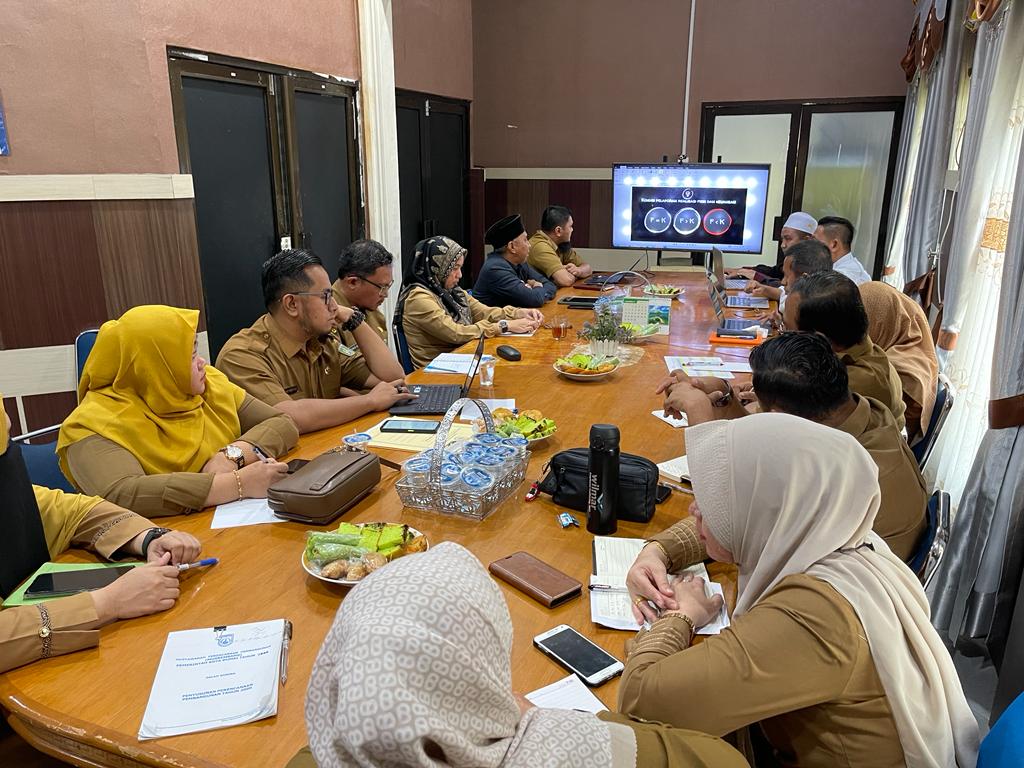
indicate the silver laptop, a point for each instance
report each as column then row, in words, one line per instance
column 725, row 323
column 732, row 283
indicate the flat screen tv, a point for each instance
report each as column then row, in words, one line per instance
column 689, row 207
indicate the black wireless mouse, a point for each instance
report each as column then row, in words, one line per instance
column 505, row 352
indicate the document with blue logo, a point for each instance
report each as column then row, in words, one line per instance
column 215, row 678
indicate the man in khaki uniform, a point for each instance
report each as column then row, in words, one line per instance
column 829, row 303
column 295, row 359
column 799, row 374
column 364, row 279
column 550, row 251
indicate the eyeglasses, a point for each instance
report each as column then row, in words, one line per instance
column 326, row 294
column 382, row 288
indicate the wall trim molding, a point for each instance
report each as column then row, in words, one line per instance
column 597, row 174
column 106, row 186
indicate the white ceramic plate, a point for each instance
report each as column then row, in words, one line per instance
column 313, row 571
column 584, row 376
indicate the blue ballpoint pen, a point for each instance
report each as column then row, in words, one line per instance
column 200, row 564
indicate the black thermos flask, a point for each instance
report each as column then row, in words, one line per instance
column 603, row 479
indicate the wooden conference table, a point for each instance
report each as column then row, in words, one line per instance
column 86, row 707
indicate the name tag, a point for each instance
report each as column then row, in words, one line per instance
column 345, row 350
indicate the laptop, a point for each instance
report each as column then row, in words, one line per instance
column 436, row 399
column 724, row 323
column 603, row 278
column 746, row 302
column 732, row 283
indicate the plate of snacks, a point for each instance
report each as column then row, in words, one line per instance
column 662, row 290
column 531, row 424
column 643, row 331
column 584, row 367
column 348, row 554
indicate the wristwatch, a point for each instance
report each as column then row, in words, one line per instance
column 234, row 453
column 355, row 321
column 724, row 400
column 503, row 324
column 152, row 535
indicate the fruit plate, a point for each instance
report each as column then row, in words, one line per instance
column 314, row 571
column 654, row 295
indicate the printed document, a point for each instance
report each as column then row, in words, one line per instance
column 215, row 678
column 567, row 693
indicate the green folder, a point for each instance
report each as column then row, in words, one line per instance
column 18, row 596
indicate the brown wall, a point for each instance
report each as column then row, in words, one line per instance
column 85, row 85
column 594, row 82
column 434, row 46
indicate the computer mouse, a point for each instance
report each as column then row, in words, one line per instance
column 505, row 352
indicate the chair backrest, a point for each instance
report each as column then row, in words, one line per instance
column 944, row 396
column 402, row 345
column 933, row 541
column 43, row 468
column 1003, row 747
column 84, row 343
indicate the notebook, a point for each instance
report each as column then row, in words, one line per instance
column 676, row 469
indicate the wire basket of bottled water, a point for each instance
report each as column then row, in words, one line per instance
column 467, row 478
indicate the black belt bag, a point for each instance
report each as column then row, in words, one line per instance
column 567, row 477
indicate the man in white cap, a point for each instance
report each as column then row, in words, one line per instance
column 837, row 234
column 799, row 226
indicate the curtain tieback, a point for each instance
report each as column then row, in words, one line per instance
column 1006, row 412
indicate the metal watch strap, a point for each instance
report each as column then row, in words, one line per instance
column 152, row 535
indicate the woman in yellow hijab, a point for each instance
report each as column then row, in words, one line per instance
column 40, row 523
column 159, row 431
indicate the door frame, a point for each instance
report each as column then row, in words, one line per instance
column 801, row 112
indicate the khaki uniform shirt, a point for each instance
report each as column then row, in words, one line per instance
column 271, row 367
column 901, row 518
column 872, row 375
column 74, row 624
column 431, row 331
column 798, row 663
column 374, row 318
column 544, row 255
column 102, row 467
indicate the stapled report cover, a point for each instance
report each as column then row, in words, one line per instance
column 215, row 678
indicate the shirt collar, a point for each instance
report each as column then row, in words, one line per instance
column 289, row 346
column 857, row 422
column 858, row 350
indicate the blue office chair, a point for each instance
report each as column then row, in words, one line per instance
column 402, row 345
column 84, row 343
column 934, row 539
column 1003, row 747
column 944, row 396
column 41, row 460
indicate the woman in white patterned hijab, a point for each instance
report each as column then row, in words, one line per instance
column 416, row 671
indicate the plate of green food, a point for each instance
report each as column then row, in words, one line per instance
column 662, row 290
column 354, row 550
column 642, row 331
column 531, row 424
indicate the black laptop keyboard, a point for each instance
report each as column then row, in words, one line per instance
column 434, row 398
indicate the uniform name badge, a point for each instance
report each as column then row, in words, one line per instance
column 346, row 350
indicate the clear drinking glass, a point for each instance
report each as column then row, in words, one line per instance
column 486, row 372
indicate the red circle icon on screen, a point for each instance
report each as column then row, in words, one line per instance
column 717, row 222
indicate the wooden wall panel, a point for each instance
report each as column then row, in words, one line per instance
column 148, row 254
column 527, row 197
column 477, row 225
column 600, row 214
column 575, row 195
column 50, row 273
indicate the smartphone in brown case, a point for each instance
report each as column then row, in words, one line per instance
column 536, row 578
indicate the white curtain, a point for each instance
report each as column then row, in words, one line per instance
column 906, row 167
column 995, row 124
column 380, row 135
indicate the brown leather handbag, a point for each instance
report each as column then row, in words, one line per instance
column 325, row 487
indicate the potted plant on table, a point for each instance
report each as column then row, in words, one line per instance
column 605, row 333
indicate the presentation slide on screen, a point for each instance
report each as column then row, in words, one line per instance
column 690, row 207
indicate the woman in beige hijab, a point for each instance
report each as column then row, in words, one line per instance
column 416, row 671
column 830, row 649
column 898, row 325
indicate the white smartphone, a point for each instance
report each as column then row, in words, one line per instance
column 589, row 662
